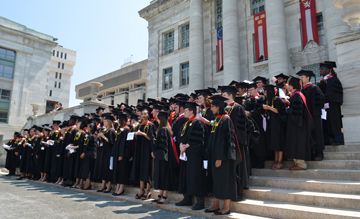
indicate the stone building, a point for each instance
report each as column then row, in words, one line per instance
column 125, row 85
column 204, row 43
column 25, row 64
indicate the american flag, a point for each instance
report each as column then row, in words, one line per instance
column 220, row 49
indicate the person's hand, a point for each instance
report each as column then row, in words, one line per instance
column 265, row 107
column 16, row 153
column 82, row 156
column 182, row 147
column 120, row 158
column 218, row 163
column 140, row 133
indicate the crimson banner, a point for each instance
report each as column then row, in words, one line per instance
column 261, row 50
column 308, row 22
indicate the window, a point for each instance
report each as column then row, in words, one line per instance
column 60, row 75
column 57, row 53
column 5, row 94
column 56, row 75
column 4, row 105
column 184, row 74
column 321, row 30
column 62, row 66
column 168, row 45
column 7, row 63
column 58, row 64
column 61, row 55
column 55, row 84
column 59, row 85
column 50, row 93
column 167, row 78
column 257, row 6
column 65, row 56
column 184, row 35
column 53, row 52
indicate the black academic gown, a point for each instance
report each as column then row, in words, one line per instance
column 207, row 114
column 298, row 130
column 315, row 102
column 87, row 163
column 161, row 150
column 276, row 126
column 78, row 141
column 107, row 161
column 142, row 165
column 121, row 149
column 333, row 91
column 223, row 146
column 12, row 160
column 40, row 153
column 192, row 180
column 239, row 120
column 57, row 156
column 69, row 159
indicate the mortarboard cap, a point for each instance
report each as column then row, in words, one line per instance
column 218, row 100
column 306, row 73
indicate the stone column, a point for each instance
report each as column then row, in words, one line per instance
column 231, row 37
column 196, row 68
column 276, row 34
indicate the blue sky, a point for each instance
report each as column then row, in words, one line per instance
column 103, row 32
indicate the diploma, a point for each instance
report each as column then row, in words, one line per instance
column 130, row 136
column 183, row 156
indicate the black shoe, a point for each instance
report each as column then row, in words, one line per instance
column 198, row 206
column 184, row 202
column 221, row 213
column 209, row 210
column 20, row 178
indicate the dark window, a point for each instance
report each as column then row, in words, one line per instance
column 321, row 29
column 53, row 52
column 257, row 6
column 60, row 75
column 62, row 66
column 50, row 93
column 59, row 64
column 5, row 94
column 7, row 63
column 168, row 42
column 55, row 84
column 65, row 56
column 4, row 105
column 167, row 78
column 57, row 53
column 184, row 74
column 59, row 85
column 56, row 75
column 50, row 105
column 184, row 35
column 61, row 55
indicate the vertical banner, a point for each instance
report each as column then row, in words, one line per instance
column 219, row 37
column 308, row 22
column 261, row 50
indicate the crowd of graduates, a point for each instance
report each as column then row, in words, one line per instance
column 200, row 145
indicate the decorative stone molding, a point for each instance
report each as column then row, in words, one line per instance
column 311, row 54
column 157, row 7
column 351, row 12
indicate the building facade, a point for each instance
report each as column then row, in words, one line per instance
column 204, row 43
column 25, row 63
column 125, row 85
column 59, row 77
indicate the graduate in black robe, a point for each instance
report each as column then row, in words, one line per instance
column 333, row 91
column 239, row 120
column 276, row 124
column 24, row 151
column 87, row 156
column 69, row 158
column 298, row 129
column 79, row 144
column 160, row 153
column 142, row 166
column 12, row 156
column 41, row 152
column 223, row 147
column 192, row 172
column 107, row 138
column 121, row 154
column 315, row 102
column 57, row 152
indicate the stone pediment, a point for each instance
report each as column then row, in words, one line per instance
column 157, row 7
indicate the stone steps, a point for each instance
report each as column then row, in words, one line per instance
column 347, row 155
column 286, row 210
column 325, row 164
column 335, row 186
column 319, row 199
column 332, row 174
column 342, row 148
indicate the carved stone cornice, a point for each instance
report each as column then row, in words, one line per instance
column 158, row 7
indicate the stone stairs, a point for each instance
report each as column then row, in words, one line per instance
column 328, row 189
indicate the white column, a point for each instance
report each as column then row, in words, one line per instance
column 276, row 35
column 196, row 62
column 231, row 37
